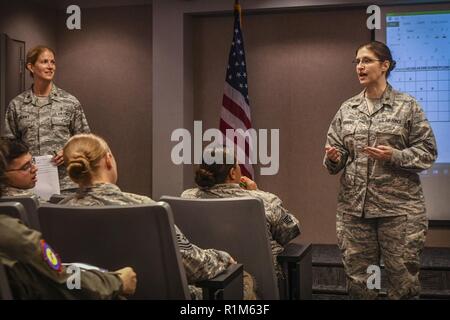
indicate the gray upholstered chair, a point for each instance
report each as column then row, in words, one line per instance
column 238, row 226
column 140, row 236
column 30, row 203
column 16, row 210
column 235, row 225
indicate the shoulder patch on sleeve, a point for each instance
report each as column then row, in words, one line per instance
column 287, row 219
column 183, row 242
column 50, row 257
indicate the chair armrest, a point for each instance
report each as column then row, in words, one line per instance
column 213, row 289
column 294, row 252
column 296, row 261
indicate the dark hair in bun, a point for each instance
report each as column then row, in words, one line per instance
column 210, row 174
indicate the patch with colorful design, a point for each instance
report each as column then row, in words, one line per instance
column 50, row 256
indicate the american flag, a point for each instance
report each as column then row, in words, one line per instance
column 235, row 112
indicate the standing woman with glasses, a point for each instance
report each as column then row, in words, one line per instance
column 382, row 139
column 45, row 116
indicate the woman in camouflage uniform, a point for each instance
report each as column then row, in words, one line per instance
column 45, row 116
column 92, row 166
column 224, row 180
column 382, row 139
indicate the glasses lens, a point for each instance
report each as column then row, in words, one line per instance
column 27, row 166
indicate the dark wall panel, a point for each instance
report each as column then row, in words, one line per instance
column 107, row 65
column 23, row 20
column 299, row 72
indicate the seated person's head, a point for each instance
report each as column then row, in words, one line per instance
column 221, row 167
column 89, row 160
column 20, row 171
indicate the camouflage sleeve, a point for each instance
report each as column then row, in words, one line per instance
column 100, row 285
column 201, row 264
column 141, row 199
column 334, row 139
column 79, row 123
column 11, row 128
column 283, row 225
column 24, row 245
column 422, row 150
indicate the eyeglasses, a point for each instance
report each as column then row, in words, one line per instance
column 26, row 167
column 364, row 61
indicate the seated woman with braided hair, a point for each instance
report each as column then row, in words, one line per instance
column 222, row 179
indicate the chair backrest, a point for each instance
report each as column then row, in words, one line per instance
column 235, row 225
column 56, row 198
column 5, row 290
column 16, row 210
column 30, row 203
column 112, row 237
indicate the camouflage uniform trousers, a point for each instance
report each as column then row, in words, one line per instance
column 362, row 241
column 415, row 241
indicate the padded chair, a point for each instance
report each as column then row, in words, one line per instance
column 30, row 203
column 5, row 290
column 238, row 226
column 15, row 210
column 112, row 237
column 235, row 225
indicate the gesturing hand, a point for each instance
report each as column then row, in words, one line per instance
column 333, row 154
column 379, row 153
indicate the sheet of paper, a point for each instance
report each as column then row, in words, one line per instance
column 84, row 266
column 47, row 177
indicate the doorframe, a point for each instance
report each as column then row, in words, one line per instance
column 3, row 48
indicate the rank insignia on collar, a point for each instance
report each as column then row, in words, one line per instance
column 50, row 257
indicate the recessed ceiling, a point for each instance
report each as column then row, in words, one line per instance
column 62, row 4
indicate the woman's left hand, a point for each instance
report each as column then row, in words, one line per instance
column 379, row 153
column 58, row 158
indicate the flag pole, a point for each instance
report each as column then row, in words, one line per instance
column 238, row 10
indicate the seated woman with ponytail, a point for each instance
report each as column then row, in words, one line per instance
column 91, row 164
column 224, row 180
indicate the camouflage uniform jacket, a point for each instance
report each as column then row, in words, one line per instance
column 16, row 192
column 200, row 264
column 47, row 128
column 31, row 276
column 282, row 226
column 373, row 188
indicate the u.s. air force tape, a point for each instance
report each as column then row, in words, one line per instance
column 50, row 257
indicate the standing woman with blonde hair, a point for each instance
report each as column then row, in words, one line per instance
column 45, row 116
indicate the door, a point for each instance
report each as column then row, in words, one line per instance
column 12, row 72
